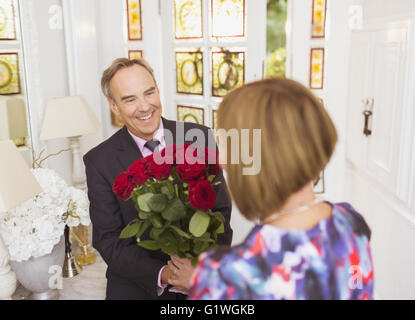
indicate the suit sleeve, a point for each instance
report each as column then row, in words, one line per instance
column 122, row 256
column 223, row 202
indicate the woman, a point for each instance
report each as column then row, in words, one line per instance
column 303, row 248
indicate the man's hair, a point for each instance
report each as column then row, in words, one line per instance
column 117, row 65
column 297, row 140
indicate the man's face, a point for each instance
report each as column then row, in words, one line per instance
column 136, row 101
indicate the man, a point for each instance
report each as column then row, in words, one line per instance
column 134, row 272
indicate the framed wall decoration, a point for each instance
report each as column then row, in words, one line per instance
column 191, row 114
column 135, row 54
column 316, row 68
column 116, row 121
column 318, row 19
column 228, row 71
column 319, row 185
column 189, row 72
column 134, row 20
column 188, row 19
column 7, row 20
column 227, row 18
column 214, row 119
column 9, row 73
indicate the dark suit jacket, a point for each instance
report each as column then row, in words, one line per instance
column 133, row 271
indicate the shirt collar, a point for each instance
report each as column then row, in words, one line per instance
column 159, row 135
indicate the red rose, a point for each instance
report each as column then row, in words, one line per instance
column 157, row 171
column 122, row 186
column 202, row 195
column 193, row 168
column 137, row 172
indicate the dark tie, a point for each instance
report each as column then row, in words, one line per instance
column 152, row 145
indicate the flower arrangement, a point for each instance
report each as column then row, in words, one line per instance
column 33, row 228
column 174, row 196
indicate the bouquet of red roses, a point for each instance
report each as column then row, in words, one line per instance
column 173, row 195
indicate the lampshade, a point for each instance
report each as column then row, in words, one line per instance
column 12, row 118
column 17, row 183
column 68, row 117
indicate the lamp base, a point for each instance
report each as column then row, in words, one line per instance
column 52, row 294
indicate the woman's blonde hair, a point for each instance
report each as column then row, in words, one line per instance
column 297, row 140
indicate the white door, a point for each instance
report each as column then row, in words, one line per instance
column 377, row 73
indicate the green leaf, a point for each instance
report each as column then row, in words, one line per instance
column 149, row 244
column 211, row 177
column 165, row 190
column 195, row 261
column 180, row 232
column 220, row 229
column 156, row 221
column 143, row 201
column 155, row 233
column 144, row 215
column 184, row 246
column 199, row 223
column 131, row 229
column 169, row 243
column 174, row 211
column 143, row 228
column 157, row 202
column 200, row 246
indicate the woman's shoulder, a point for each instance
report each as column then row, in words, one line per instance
column 356, row 221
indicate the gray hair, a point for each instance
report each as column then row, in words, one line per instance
column 117, row 65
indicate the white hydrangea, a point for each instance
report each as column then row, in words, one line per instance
column 33, row 228
column 79, row 208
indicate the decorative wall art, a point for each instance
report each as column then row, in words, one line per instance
column 134, row 20
column 227, row 18
column 7, row 20
column 318, row 19
column 214, row 119
column 189, row 72
column 9, row 74
column 318, row 184
column 116, row 121
column 228, row 71
column 135, row 54
column 190, row 114
column 188, row 19
column 316, row 68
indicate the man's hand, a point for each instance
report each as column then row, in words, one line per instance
column 182, row 273
column 166, row 274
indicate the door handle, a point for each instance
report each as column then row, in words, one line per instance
column 368, row 112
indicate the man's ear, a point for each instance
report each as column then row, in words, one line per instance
column 113, row 106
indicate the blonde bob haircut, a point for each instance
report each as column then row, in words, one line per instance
column 297, row 140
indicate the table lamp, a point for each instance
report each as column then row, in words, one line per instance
column 70, row 117
column 13, row 125
column 17, row 184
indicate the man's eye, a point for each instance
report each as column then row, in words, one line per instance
column 150, row 93
column 130, row 100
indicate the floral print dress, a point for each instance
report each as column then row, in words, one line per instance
column 330, row 261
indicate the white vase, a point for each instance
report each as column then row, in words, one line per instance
column 7, row 276
column 33, row 274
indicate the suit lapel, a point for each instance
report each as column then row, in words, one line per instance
column 128, row 151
